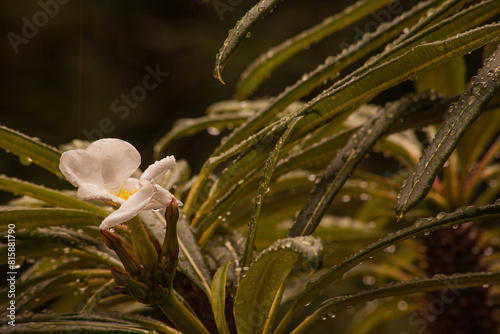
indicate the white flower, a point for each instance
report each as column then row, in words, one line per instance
column 103, row 170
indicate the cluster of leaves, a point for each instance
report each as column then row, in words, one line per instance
column 291, row 169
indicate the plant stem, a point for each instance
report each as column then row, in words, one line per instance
column 144, row 249
column 181, row 317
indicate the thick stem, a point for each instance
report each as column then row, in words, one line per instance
column 181, row 317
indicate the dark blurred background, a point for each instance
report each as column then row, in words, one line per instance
column 64, row 63
column 67, row 66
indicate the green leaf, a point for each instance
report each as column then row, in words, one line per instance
column 332, row 307
column 269, row 168
column 218, row 300
column 330, row 69
column 104, row 322
column 30, row 150
column 347, row 159
column 74, row 239
column 259, row 285
column 442, row 220
column 191, row 261
column 470, row 105
column 449, row 78
column 189, row 127
column 478, row 138
column 47, row 195
column 258, row 70
column 240, row 32
column 45, row 217
column 335, row 102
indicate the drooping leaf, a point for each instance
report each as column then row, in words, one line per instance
column 218, row 300
column 331, row 67
column 470, row 105
column 334, row 103
column 238, row 34
column 416, row 35
column 30, row 150
column 259, row 285
column 258, row 70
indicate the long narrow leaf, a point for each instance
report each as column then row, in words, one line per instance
column 30, row 150
column 330, row 308
column 470, row 105
column 269, row 168
column 333, row 103
column 117, row 322
column 73, row 239
column 218, row 300
column 47, row 195
column 238, row 34
column 257, row 71
column 189, row 127
column 342, row 166
column 45, row 217
column 442, row 220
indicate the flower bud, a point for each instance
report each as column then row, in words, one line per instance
column 129, row 262
column 136, row 289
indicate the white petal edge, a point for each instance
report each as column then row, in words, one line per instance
column 165, row 197
column 90, row 192
column 130, row 208
column 81, row 167
column 159, row 168
column 118, row 158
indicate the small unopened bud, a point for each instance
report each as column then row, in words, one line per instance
column 136, row 289
column 114, row 242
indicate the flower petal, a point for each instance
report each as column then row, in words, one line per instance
column 131, row 207
column 159, row 168
column 81, row 167
column 119, row 160
column 165, row 198
column 89, row 192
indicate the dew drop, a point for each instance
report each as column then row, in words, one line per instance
column 25, row 160
column 346, row 198
column 390, row 249
column 213, row 131
column 402, row 305
column 27, row 314
column 369, row 280
column 441, row 215
column 412, row 76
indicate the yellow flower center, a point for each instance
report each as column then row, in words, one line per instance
column 125, row 194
